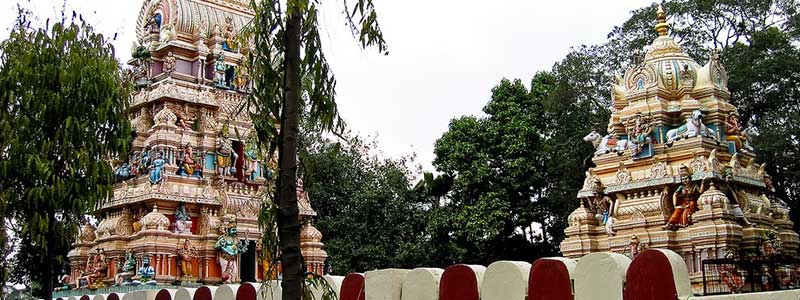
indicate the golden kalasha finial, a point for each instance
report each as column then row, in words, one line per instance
column 661, row 17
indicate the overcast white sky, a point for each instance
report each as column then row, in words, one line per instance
column 445, row 55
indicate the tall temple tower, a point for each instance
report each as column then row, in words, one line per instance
column 676, row 171
column 189, row 195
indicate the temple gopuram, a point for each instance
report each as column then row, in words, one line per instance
column 676, row 170
column 184, row 210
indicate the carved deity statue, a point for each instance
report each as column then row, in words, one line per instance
column 734, row 132
column 123, row 172
column 146, row 273
column 143, row 162
column 182, row 223
column 251, row 166
column 604, row 213
column 185, row 256
column 300, row 190
column 737, row 203
column 95, row 271
column 157, row 168
column 168, row 32
column 169, row 63
column 229, row 248
column 684, row 200
column 224, row 152
column 635, row 247
column 140, row 73
column 687, row 76
column 219, row 71
column 188, row 165
column 640, row 128
column 229, row 34
column 184, row 119
column 123, row 277
column 242, row 80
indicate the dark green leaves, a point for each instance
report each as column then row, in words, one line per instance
column 62, row 118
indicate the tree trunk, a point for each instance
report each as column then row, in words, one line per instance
column 49, row 261
column 288, row 220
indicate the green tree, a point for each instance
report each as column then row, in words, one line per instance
column 62, row 117
column 574, row 99
column 365, row 205
column 498, row 181
column 290, row 74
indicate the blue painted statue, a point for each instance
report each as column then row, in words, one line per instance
column 229, row 247
column 123, row 172
column 146, row 273
column 157, row 168
column 219, row 71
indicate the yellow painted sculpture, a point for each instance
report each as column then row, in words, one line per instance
column 186, row 254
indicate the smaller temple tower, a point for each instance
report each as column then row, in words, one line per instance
column 676, row 170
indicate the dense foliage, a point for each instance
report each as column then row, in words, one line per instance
column 368, row 212
column 62, row 117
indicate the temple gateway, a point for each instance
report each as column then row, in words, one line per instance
column 185, row 206
column 676, row 170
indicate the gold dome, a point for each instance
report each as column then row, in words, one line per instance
column 666, row 69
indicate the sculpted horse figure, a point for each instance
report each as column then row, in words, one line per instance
column 694, row 126
column 608, row 143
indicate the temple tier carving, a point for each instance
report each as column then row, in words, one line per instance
column 186, row 200
column 675, row 169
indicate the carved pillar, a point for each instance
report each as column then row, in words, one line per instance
column 158, row 264
column 205, row 264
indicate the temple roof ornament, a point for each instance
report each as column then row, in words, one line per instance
column 155, row 220
column 671, row 83
column 187, row 18
column 661, row 17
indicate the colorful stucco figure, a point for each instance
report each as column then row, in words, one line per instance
column 735, row 133
column 157, row 168
column 146, row 273
column 640, row 129
column 219, row 71
column 684, row 200
column 186, row 254
column 224, row 152
column 229, row 247
column 126, row 269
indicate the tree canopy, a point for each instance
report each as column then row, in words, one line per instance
column 370, row 215
column 63, row 117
